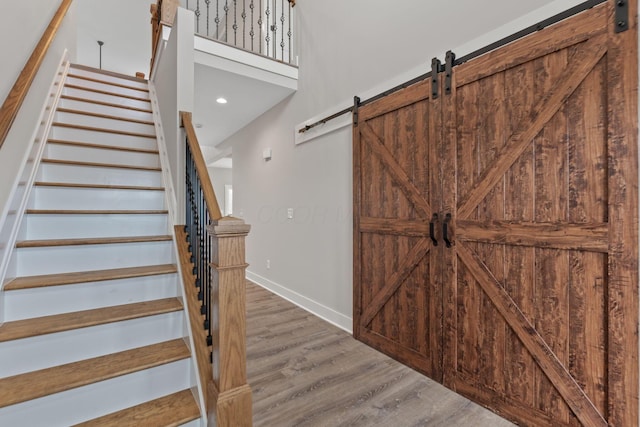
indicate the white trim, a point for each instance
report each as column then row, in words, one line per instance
column 40, row 134
column 337, row 319
column 170, row 194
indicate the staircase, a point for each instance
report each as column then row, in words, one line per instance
column 95, row 331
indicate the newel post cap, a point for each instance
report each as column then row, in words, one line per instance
column 228, row 225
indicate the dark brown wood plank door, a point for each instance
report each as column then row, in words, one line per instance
column 397, row 294
column 540, row 177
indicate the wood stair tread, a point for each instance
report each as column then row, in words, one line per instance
column 102, row 146
column 95, row 212
column 106, row 92
column 106, row 104
column 107, row 73
column 168, row 411
column 100, row 165
column 105, row 82
column 103, row 116
column 90, row 241
column 26, row 328
column 104, row 130
column 32, row 385
column 46, row 280
column 95, row 186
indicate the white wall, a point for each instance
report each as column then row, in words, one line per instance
column 371, row 46
column 219, row 178
column 125, row 28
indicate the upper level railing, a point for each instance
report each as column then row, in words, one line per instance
column 264, row 27
column 16, row 96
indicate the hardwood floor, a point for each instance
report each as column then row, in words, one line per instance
column 306, row 372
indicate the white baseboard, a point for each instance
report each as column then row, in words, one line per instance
column 313, row 307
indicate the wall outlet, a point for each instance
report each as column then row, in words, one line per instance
column 290, row 213
column 268, row 264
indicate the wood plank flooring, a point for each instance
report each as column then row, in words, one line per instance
column 306, row 372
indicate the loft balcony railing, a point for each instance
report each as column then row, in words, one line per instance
column 264, row 27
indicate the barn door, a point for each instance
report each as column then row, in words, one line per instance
column 531, row 162
column 541, row 182
column 397, row 293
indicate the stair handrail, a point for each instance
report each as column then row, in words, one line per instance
column 201, row 167
column 18, row 92
column 214, row 266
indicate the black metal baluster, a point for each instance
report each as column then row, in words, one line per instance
column 251, row 33
column 282, row 28
column 235, row 22
column 244, row 23
column 197, row 12
column 226, row 20
column 217, row 20
column 208, row 3
column 260, row 25
column 274, row 29
column 268, row 37
column 289, row 34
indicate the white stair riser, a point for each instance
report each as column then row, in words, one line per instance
column 45, row 226
column 94, row 400
column 103, row 138
column 38, row 302
column 98, row 175
column 107, row 78
column 43, row 197
column 45, row 351
column 104, row 123
column 108, row 87
column 99, row 155
column 113, row 99
column 63, row 259
column 104, row 109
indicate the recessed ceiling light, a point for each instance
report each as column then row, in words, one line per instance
column 221, row 100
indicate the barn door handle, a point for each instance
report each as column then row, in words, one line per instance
column 432, row 226
column 445, row 230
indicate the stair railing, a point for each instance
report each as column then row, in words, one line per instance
column 16, row 96
column 265, row 27
column 213, row 263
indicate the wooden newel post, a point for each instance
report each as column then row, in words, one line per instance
column 233, row 403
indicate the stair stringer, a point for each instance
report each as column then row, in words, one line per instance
column 171, row 203
column 13, row 213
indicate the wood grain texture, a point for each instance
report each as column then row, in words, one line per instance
column 103, row 116
column 102, row 146
column 233, row 401
column 46, row 280
column 107, row 73
column 306, row 372
column 196, row 318
column 104, row 103
column 106, row 92
column 91, row 241
column 107, row 82
column 33, row 385
column 544, row 356
column 585, row 59
column 622, row 131
column 82, row 319
column 103, row 130
column 95, row 186
column 201, row 167
column 94, row 212
column 18, row 92
column 586, row 237
column 101, row 165
column 169, row 411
